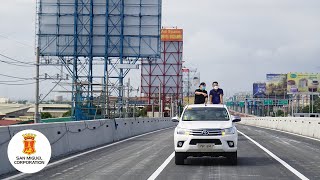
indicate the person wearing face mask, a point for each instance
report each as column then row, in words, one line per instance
column 216, row 94
column 201, row 95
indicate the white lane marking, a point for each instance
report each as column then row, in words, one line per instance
column 87, row 152
column 285, row 132
column 161, row 168
column 286, row 165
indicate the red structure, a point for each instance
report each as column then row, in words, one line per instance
column 164, row 75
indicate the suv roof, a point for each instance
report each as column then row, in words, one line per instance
column 207, row 105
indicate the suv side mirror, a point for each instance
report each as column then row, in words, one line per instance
column 175, row 119
column 236, row 119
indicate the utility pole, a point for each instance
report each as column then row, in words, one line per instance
column 37, row 116
column 312, row 103
column 292, row 110
column 188, row 86
column 171, row 103
column 161, row 111
column 160, row 100
column 268, row 104
column 152, row 108
column 107, row 90
column 128, row 98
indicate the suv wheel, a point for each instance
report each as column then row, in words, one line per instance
column 179, row 158
column 233, row 158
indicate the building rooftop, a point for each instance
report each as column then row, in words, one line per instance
column 8, row 122
column 51, row 108
column 10, row 108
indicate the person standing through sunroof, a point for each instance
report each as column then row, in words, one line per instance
column 216, row 94
column 201, row 95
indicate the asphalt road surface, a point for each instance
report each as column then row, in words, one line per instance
column 141, row 157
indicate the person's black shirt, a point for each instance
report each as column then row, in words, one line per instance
column 200, row 99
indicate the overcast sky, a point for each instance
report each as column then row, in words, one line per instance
column 235, row 42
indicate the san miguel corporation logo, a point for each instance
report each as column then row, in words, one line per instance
column 29, row 144
column 29, row 151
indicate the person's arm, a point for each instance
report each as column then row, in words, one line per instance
column 197, row 92
column 210, row 98
column 221, row 97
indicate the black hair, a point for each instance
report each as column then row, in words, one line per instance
column 215, row 82
column 203, row 84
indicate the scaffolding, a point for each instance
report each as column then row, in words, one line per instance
column 85, row 35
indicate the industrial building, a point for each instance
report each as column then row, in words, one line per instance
column 56, row 110
column 13, row 110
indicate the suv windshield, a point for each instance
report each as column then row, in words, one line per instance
column 205, row 114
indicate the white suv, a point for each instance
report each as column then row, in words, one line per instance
column 206, row 130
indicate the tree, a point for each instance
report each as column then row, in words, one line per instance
column 45, row 115
column 305, row 109
column 67, row 114
column 142, row 112
column 316, row 106
column 280, row 113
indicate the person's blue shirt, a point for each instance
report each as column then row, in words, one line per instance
column 216, row 95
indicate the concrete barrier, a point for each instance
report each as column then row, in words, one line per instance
column 304, row 126
column 72, row 137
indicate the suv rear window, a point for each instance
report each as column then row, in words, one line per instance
column 205, row 114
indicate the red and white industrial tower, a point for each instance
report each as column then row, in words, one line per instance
column 161, row 79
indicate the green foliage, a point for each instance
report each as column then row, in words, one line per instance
column 142, row 112
column 45, row 115
column 305, row 109
column 280, row 113
column 67, row 114
column 316, row 106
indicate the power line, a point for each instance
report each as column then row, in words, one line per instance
column 22, row 84
column 11, row 63
column 14, row 81
column 15, row 77
column 19, row 42
column 22, row 62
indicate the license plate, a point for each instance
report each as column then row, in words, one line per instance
column 205, row 146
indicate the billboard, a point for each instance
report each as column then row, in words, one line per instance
column 303, row 83
column 276, row 85
column 259, row 90
column 172, row 35
column 100, row 28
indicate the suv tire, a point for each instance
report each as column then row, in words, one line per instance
column 179, row 158
column 233, row 158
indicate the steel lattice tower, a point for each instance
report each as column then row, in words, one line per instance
column 81, row 34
